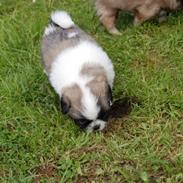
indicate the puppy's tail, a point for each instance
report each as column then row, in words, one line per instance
column 62, row 19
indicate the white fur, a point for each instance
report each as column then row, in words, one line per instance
column 91, row 126
column 89, row 104
column 49, row 29
column 66, row 69
column 67, row 66
column 62, row 19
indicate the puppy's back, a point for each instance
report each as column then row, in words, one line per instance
column 59, row 35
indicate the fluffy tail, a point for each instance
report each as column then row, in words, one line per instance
column 62, row 19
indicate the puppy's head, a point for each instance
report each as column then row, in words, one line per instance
column 88, row 101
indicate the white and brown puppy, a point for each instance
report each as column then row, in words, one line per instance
column 79, row 70
column 142, row 9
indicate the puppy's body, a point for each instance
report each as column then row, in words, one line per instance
column 79, row 70
column 142, row 9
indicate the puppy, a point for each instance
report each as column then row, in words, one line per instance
column 142, row 9
column 79, row 70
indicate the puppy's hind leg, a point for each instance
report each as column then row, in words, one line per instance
column 145, row 12
column 108, row 20
column 139, row 18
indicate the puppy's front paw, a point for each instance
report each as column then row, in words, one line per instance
column 114, row 31
column 162, row 16
column 95, row 126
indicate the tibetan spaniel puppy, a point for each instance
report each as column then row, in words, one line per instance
column 79, row 70
column 142, row 10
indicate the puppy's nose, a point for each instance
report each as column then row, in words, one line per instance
column 96, row 127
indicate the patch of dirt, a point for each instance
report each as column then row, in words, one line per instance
column 113, row 127
column 127, row 162
column 93, row 171
column 10, row 126
column 46, row 171
column 175, row 146
column 90, row 174
column 90, row 178
column 120, row 109
column 153, row 60
column 3, row 173
column 75, row 153
column 159, row 174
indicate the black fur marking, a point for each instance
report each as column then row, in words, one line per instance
column 65, row 106
column 110, row 98
column 82, row 122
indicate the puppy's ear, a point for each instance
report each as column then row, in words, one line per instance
column 65, row 105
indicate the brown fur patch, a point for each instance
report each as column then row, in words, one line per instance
column 99, row 84
column 73, row 96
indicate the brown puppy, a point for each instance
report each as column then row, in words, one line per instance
column 142, row 9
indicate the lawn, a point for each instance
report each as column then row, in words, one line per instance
column 39, row 144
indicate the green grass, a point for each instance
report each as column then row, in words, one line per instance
column 38, row 144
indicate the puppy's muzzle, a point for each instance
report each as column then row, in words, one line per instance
column 97, row 125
